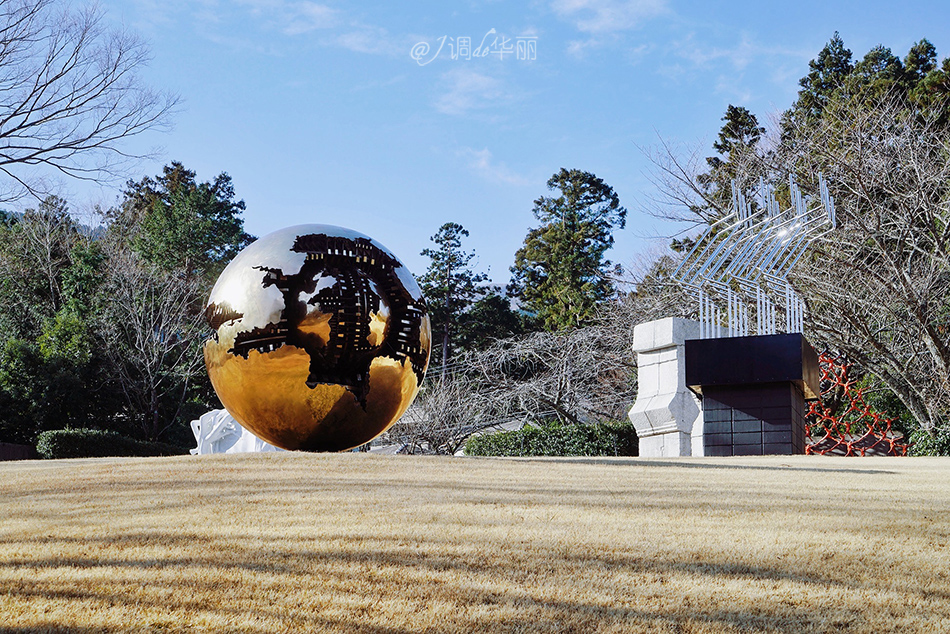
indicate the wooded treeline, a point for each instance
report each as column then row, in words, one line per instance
column 876, row 289
column 101, row 325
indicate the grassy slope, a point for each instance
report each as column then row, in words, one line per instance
column 356, row 542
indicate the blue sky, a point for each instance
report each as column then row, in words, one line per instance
column 320, row 112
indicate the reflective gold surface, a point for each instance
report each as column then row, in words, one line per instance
column 321, row 338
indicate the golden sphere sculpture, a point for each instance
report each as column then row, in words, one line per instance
column 321, row 338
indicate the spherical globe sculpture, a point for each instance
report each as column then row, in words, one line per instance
column 321, row 338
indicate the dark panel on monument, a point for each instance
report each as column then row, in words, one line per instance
column 752, row 360
column 766, row 418
column 753, row 391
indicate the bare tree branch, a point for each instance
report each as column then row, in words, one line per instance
column 154, row 337
column 876, row 288
column 584, row 375
column 69, row 94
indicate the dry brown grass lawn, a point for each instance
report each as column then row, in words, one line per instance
column 355, row 542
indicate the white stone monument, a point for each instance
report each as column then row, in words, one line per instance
column 218, row 432
column 668, row 417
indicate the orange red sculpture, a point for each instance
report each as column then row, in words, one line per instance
column 853, row 428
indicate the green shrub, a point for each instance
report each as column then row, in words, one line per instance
column 604, row 439
column 95, row 443
column 936, row 443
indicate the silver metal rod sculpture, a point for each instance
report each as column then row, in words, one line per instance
column 742, row 261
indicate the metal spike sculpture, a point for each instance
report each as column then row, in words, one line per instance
column 743, row 260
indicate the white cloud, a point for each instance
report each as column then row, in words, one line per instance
column 732, row 65
column 578, row 48
column 330, row 27
column 304, row 17
column 483, row 164
column 293, row 18
column 608, row 16
column 739, row 56
column 370, row 39
column 469, row 90
column 734, row 87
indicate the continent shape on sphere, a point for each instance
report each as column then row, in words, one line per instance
column 321, row 338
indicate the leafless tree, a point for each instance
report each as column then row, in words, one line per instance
column 681, row 196
column 153, row 336
column 877, row 287
column 562, row 375
column 69, row 93
column 38, row 248
column 577, row 376
column 450, row 407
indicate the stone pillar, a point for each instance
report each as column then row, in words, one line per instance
column 667, row 415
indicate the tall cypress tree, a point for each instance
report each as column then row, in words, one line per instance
column 826, row 74
column 738, row 137
column 449, row 284
column 561, row 273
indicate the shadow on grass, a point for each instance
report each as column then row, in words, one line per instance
column 509, row 591
column 640, row 462
column 540, row 615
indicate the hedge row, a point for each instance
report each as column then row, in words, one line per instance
column 936, row 443
column 95, row 443
column 604, row 439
